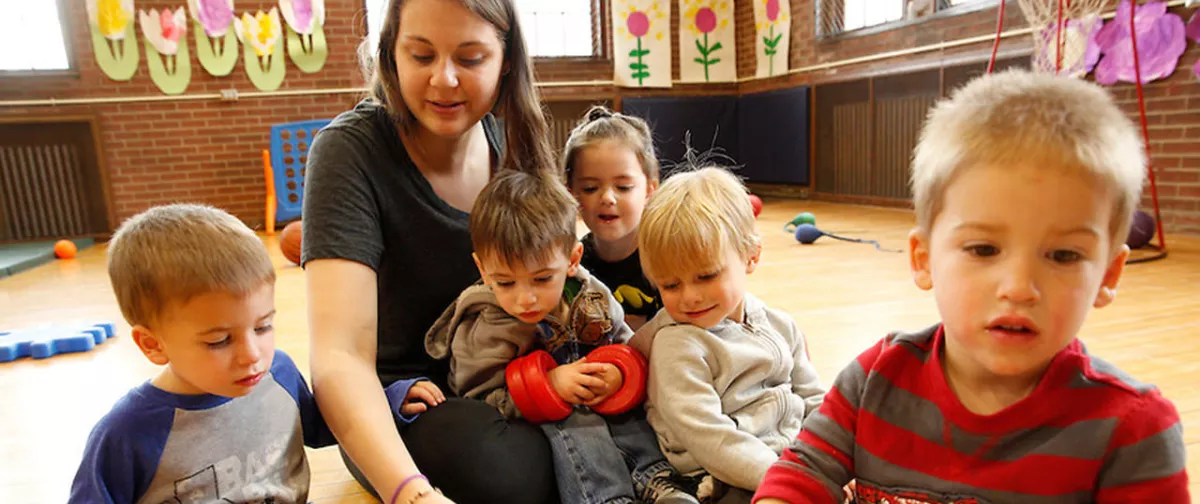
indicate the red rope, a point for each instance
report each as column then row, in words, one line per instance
column 1137, row 72
column 996, row 43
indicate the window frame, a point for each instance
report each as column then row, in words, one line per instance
column 940, row 13
column 600, row 38
column 66, row 29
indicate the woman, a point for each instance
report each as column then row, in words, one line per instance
column 386, row 248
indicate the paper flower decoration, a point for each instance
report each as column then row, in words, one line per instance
column 216, row 40
column 262, row 42
column 112, row 27
column 214, row 16
column 162, row 34
column 771, row 39
column 305, row 35
column 111, row 17
column 1193, row 32
column 260, row 32
column 701, row 19
column 163, row 31
column 1160, row 38
column 303, row 16
column 1080, row 49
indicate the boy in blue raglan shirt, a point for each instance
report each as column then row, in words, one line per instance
column 228, row 416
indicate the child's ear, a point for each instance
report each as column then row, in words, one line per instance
column 576, row 256
column 918, row 258
column 479, row 265
column 651, row 186
column 755, row 255
column 150, row 345
column 1112, row 275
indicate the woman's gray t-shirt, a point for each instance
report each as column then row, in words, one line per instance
column 367, row 202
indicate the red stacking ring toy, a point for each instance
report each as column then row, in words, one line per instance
column 633, row 369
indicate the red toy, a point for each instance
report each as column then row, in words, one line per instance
column 529, row 384
column 756, row 203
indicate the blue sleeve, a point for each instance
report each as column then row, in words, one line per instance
column 316, row 432
column 122, row 453
column 396, row 393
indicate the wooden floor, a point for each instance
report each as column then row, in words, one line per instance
column 844, row 296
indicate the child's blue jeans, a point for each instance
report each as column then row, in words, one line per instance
column 604, row 460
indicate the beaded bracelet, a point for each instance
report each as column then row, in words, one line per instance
column 404, row 484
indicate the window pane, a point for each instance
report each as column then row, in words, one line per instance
column 557, row 27
column 552, row 27
column 33, row 27
column 864, row 13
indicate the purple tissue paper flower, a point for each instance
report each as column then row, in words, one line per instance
column 214, row 15
column 1160, row 39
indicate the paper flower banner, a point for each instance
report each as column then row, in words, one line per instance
column 113, row 37
column 641, row 43
column 1160, row 39
column 216, row 40
column 165, row 34
column 707, row 51
column 262, row 48
column 774, row 27
column 306, row 33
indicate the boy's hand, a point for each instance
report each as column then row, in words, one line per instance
column 575, row 382
column 422, row 396
column 613, row 379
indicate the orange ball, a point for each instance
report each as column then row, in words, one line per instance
column 65, row 249
column 289, row 242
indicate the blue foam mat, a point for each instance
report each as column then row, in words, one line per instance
column 49, row 340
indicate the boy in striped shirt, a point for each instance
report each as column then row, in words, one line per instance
column 1024, row 185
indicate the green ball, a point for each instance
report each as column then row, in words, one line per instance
column 804, row 218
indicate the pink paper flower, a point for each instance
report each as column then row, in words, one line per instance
column 303, row 15
column 638, row 23
column 1160, row 38
column 772, row 10
column 706, row 20
column 1193, row 32
column 163, row 30
column 214, row 15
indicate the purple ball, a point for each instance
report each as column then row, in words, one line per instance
column 1141, row 231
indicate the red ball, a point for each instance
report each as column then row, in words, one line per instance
column 65, row 249
column 756, row 202
column 289, row 242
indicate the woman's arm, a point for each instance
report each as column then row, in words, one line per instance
column 343, row 310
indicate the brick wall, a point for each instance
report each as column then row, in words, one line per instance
column 210, row 151
column 203, row 150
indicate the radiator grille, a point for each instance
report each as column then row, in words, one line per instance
column 49, row 182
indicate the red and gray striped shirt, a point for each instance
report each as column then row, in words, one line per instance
column 1087, row 433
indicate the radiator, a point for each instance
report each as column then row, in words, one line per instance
column 897, row 127
column 44, row 189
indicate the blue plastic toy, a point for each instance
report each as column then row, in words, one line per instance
column 48, row 340
column 289, row 158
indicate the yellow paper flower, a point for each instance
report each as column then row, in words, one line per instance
column 111, row 17
column 261, row 31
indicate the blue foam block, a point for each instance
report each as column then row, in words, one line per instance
column 48, row 340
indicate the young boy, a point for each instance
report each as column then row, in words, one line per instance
column 1024, row 185
column 534, row 295
column 730, row 380
column 228, row 417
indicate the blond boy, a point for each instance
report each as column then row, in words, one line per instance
column 1024, row 185
column 730, row 380
column 228, row 417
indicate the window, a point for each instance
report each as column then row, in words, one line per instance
column 558, row 27
column 35, row 28
column 864, row 13
column 552, row 27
